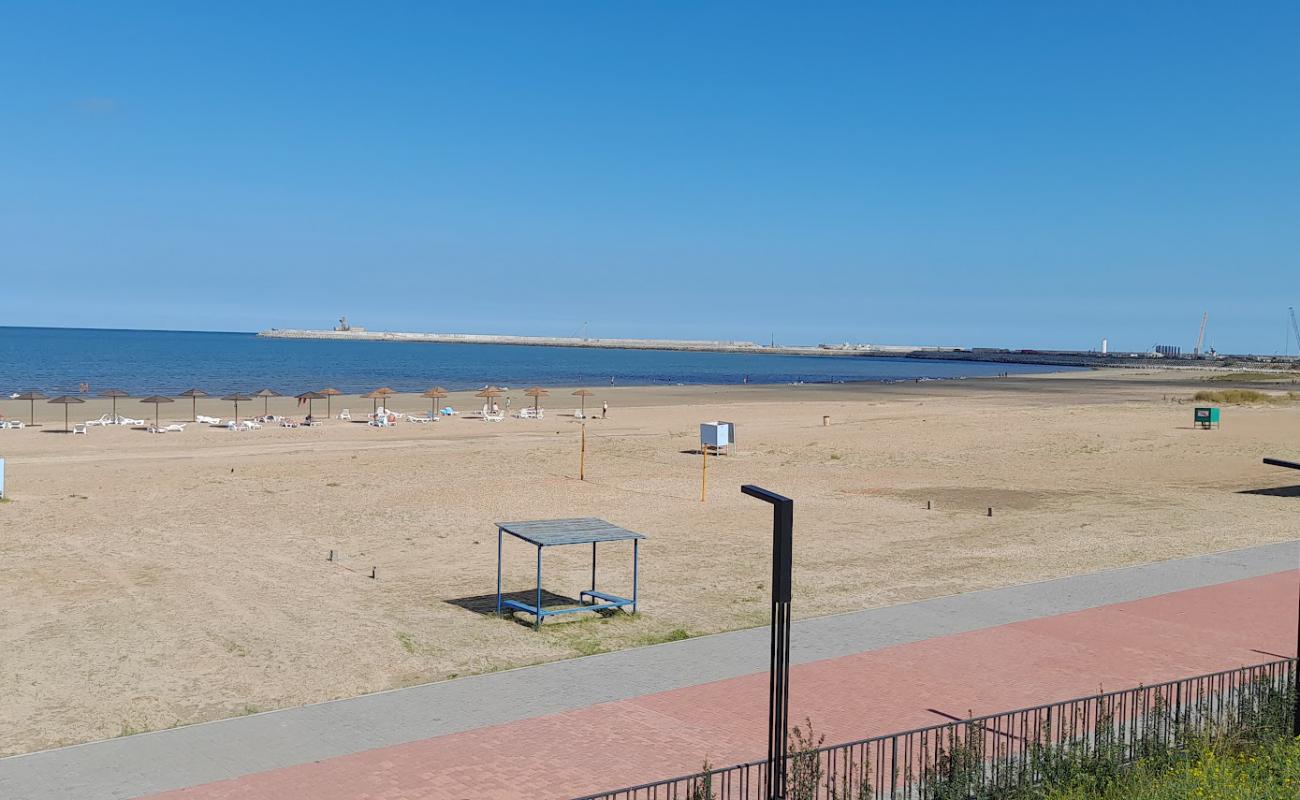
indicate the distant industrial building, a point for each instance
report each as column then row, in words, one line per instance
column 1168, row 350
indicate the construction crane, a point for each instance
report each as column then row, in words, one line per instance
column 1294, row 328
column 1200, row 337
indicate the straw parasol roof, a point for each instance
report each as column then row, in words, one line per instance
column 488, row 393
column 266, row 395
column 435, row 394
column 237, row 398
column 535, row 392
column 330, row 393
column 156, row 399
column 193, row 395
column 584, row 394
column 310, row 396
column 66, row 400
column 114, row 393
column 382, row 393
column 31, row 396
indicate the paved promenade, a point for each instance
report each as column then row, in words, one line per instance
column 659, row 711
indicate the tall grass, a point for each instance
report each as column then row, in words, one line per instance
column 1266, row 772
column 1244, row 397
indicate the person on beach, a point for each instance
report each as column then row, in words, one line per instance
column 604, row 409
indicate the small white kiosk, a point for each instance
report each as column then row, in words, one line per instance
column 719, row 436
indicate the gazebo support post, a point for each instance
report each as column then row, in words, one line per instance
column 499, row 536
column 537, row 621
column 636, row 548
column 593, row 566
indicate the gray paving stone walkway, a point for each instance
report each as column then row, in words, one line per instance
column 154, row 762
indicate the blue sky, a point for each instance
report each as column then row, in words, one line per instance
column 1025, row 174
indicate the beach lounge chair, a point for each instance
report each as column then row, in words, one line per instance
column 422, row 418
column 204, row 420
column 104, row 420
column 578, row 414
column 312, row 423
column 176, row 427
column 129, row 421
column 288, row 423
column 345, row 415
column 15, row 424
column 82, row 428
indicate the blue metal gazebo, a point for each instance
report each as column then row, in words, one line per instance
column 553, row 533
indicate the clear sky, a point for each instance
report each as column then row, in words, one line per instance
column 1027, row 174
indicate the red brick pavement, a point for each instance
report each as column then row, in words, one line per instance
column 670, row 733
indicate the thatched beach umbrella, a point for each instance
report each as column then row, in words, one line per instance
column 488, row 393
column 266, row 395
column 535, row 392
column 435, row 394
column 193, row 395
column 114, row 393
column 310, row 396
column 65, row 401
column 31, row 396
column 584, row 394
column 383, row 393
column 156, row 399
column 330, row 393
column 374, row 398
column 237, row 398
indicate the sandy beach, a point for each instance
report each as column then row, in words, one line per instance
column 149, row 580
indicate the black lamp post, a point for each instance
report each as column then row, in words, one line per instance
column 1295, row 672
column 778, row 700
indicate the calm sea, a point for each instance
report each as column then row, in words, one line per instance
column 57, row 360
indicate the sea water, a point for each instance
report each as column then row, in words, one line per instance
column 60, row 360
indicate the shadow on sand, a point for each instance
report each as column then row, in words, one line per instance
column 1275, row 491
column 486, row 604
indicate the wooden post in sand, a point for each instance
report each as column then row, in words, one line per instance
column 582, row 455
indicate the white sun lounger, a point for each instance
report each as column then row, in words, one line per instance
column 104, row 420
column 82, row 428
column 345, row 415
column 204, row 420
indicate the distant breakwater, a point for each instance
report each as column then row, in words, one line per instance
column 1054, row 358
column 690, row 345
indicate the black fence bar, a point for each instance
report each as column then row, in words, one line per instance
column 1013, row 748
